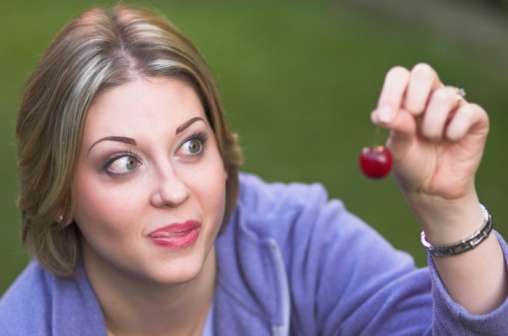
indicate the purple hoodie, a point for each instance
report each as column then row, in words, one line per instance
column 290, row 262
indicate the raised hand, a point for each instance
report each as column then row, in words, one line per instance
column 437, row 138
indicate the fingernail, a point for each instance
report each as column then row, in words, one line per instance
column 385, row 114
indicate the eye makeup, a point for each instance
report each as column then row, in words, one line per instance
column 200, row 137
column 132, row 157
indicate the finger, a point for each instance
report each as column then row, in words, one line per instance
column 466, row 119
column 402, row 134
column 422, row 82
column 391, row 96
column 442, row 103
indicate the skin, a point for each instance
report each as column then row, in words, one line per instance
column 437, row 142
column 144, row 288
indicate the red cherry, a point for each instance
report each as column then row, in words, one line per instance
column 376, row 162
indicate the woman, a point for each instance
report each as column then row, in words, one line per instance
column 141, row 224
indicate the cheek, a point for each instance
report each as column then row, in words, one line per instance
column 218, row 197
column 101, row 213
column 212, row 195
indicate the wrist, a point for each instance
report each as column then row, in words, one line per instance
column 465, row 244
column 445, row 221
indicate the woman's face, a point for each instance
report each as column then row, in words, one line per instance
column 150, row 182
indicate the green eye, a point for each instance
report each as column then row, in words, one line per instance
column 193, row 146
column 123, row 165
column 131, row 163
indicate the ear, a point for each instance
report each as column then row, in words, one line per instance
column 60, row 218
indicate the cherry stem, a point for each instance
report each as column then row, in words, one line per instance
column 375, row 137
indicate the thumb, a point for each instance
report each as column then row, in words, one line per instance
column 402, row 126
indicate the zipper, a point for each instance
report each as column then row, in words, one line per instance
column 281, row 330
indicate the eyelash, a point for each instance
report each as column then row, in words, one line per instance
column 117, row 156
column 200, row 136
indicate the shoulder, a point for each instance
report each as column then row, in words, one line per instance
column 326, row 252
column 308, row 225
column 293, row 214
column 262, row 198
column 27, row 298
column 26, row 292
column 290, row 212
column 297, row 213
column 40, row 303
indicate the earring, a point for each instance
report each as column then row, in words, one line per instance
column 60, row 218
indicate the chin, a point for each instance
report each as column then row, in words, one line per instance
column 180, row 271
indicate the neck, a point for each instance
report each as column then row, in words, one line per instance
column 133, row 306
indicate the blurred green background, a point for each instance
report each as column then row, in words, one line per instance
column 299, row 81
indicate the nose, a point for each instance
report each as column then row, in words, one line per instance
column 170, row 190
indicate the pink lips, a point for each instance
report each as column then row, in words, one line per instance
column 178, row 235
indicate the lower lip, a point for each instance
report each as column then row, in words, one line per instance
column 178, row 240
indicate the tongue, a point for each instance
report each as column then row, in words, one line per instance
column 160, row 234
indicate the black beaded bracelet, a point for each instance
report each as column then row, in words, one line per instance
column 464, row 245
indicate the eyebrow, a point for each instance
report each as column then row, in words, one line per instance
column 131, row 141
column 186, row 124
column 126, row 140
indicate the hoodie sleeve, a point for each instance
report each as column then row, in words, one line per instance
column 346, row 279
column 446, row 310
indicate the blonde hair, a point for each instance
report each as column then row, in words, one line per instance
column 99, row 49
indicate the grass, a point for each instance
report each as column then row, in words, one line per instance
column 299, row 82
